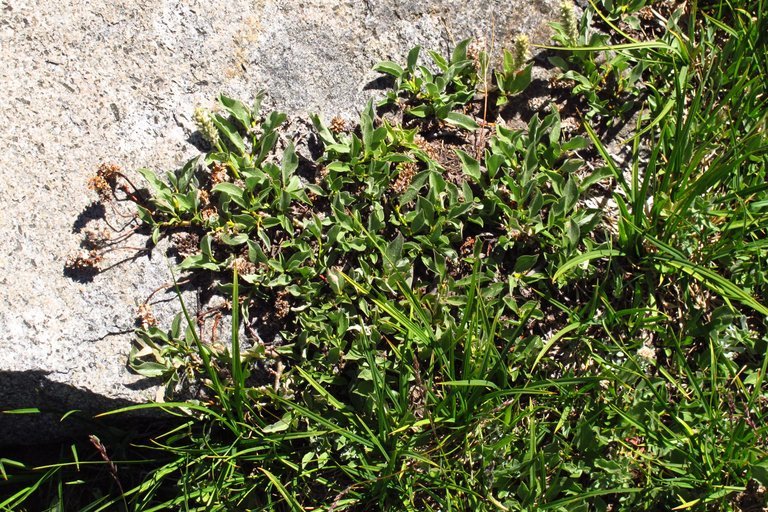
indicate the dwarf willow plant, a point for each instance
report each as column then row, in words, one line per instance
column 436, row 94
column 293, row 233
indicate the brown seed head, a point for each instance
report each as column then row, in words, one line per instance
column 187, row 244
column 467, row 246
column 219, row 174
column 425, row 146
column 338, row 124
column 100, row 185
column 474, row 50
column 243, row 266
column 646, row 13
column 145, row 316
column 91, row 259
column 407, row 171
column 282, row 305
column 109, row 172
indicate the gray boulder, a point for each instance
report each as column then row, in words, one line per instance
column 99, row 81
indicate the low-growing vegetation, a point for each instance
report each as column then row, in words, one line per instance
column 514, row 284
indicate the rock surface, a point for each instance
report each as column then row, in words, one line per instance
column 85, row 82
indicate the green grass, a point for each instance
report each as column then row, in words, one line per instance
column 435, row 315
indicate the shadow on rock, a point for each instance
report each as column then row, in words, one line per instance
column 93, row 211
column 382, row 83
column 43, row 411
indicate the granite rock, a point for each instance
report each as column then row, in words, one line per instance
column 86, row 82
